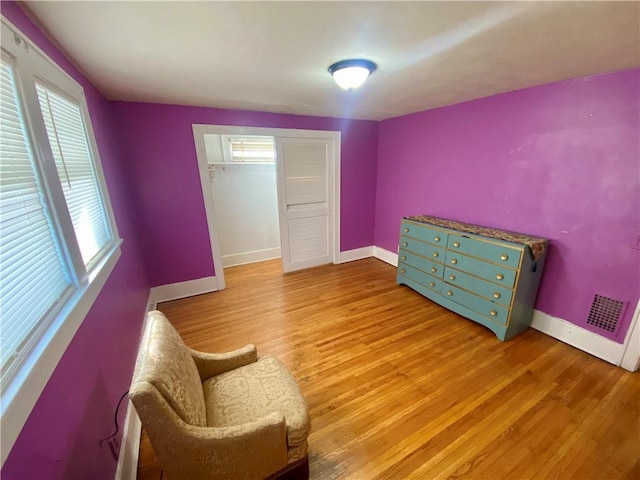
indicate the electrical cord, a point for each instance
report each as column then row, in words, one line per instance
column 115, row 420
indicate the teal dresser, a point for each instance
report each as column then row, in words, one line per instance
column 489, row 276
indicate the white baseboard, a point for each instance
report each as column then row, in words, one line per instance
column 249, row 257
column 578, row 337
column 385, row 255
column 130, row 447
column 173, row 291
column 127, row 468
column 631, row 356
column 356, row 254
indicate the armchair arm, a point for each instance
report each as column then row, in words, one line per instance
column 251, row 450
column 212, row 364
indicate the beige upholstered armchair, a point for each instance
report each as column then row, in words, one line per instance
column 217, row 416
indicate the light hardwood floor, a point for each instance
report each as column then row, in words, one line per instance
column 400, row 388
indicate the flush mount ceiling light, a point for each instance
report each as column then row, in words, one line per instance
column 350, row 74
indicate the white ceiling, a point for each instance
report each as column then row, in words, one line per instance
column 273, row 56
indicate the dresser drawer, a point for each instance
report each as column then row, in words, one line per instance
column 490, row 291
column 492, row 252
column 421, row 248
column 494, row 312
column 420, row 277
column 494, row 273
column 426, row 234
column 421, row 263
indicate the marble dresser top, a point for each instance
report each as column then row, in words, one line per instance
column 538, row 246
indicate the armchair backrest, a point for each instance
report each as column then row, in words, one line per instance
column 165, row 362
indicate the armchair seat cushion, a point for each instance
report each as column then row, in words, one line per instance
column 256, row 390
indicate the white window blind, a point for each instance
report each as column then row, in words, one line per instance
column 33, row 280
column 68, row 141
column 250, row 149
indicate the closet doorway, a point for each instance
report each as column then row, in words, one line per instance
column 237, row 167
column 242, row 178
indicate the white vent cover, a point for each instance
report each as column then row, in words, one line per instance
column 605, row 313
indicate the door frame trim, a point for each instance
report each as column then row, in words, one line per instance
column 199, row 130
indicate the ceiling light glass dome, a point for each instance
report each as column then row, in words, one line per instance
column 350, row 74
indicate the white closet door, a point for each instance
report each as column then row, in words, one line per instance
column 305, row 201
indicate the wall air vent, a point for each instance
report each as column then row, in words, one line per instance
column 605, row 313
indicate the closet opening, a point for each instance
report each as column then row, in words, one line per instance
column 270, row 193
column 242, row 175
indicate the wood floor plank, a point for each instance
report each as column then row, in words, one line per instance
column 400, row 388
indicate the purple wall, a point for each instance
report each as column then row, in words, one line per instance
column 60, row 438
column 161, row 153
column 561, row 161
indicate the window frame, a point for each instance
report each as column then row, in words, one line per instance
column 31, row 65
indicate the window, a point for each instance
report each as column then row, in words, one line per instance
column 69, row 145
column 249, row 149
column 33, row 281
column 58, row 240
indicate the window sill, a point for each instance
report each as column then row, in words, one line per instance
column 21, row 396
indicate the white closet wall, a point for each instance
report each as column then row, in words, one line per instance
column 246, row 207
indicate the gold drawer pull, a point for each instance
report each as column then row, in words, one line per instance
column 404, row 244
column 493, row 313
column 504, row 256
column 404, row 257
column 432, row 284
column 452, row 277
column 435, row 254
column 406, row 230
column 456, row 244
column 434, row 269
column 437, row 239
column 450, row 293
column 496, row 295
column 454, row 261
column 403, row 271
column 500, row 276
